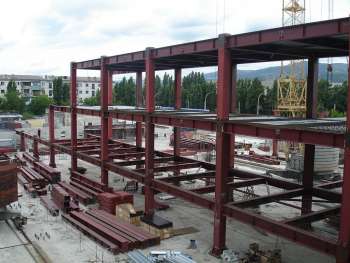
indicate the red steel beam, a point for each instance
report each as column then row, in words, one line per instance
column 149, row 138
column 295, row 234
column 309, row 152
column 139, row 104
column 52, row 136
column 231, row 185
column 73, row 111
column 187, row 195
column 290, row 232
column 343, row 255
column 104, row 119
column 126, row 155
column 171, row 167
column 110, row 102
column 331, row 185
column 178, row 102
column 223, row 141
column 314, row 216
column 233, row 109
column 36, row 147
column 187, row 177
column 269, row 198
column 269, row 132
column 246, row 40
column 23, row 143
column 142, row 162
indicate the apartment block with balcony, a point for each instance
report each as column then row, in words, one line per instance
column 33, row 85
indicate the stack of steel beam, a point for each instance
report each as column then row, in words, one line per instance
column 48, row 172
column 50, row 205
column 51, row 174
column 109, row 201
column 30, row 158
column 61, row 198
column 28, row 175
column 77, row 194
column 8, row 184
column 108, row 230
column 86, row 189
column 90, row 183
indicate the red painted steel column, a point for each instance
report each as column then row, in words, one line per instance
column 52, row 135
column 233, row 109
column 74, row 126
column 343, row 253
column 138, row 104
column 104, row 120
column 149, row 133
column 222, row 144
column 309, row 152
column 177, row 130
column 23, row 143
column 274, row 148
column 110, row 103
column 35, row 147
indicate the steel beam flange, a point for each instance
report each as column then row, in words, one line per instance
column 277, row 133
column 342, row 253
column 220, row 126
column 223, row 40
column 347, row 139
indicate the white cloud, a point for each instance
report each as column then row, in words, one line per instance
column 43, row 36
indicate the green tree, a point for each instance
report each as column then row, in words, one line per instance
column 194, row 90
column 65, row 94
column 13, row 101
column 39, row 104
column 57, row 90
column 247, row 96
column 60, row 92
column 11, row 86
column 124, row 92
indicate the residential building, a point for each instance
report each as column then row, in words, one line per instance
column 33, row 85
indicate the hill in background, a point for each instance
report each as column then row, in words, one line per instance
column 267, row 75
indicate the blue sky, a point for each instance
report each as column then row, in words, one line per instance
column 43, row 36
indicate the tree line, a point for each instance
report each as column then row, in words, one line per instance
column 197, row 93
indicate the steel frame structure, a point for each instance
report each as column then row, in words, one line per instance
column 309, row 41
